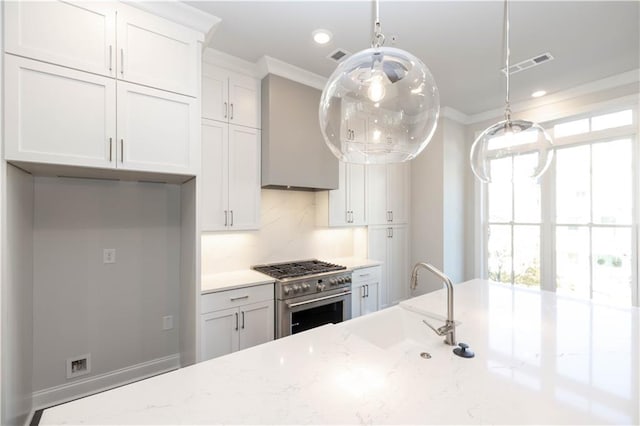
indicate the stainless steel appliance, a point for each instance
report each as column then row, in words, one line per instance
column 309, row 293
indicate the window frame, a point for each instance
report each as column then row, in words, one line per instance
column 547, row 199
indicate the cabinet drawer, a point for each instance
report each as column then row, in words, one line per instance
column 233, row 298
column 366, row 275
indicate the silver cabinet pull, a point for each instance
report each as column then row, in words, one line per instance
column 243, row 320
column 122, row 62
column 391, row 212
column 236, row 321
column 231, row 218
column 110, row 57
column 225, row 218
column 367, row 286
column 231, row 111
column 233, row 299
column 391, row 230
column 110, row 149
column 225, row 110
column 122, row 150
column 362, row 292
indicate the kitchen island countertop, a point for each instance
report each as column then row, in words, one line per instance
column 540, row 358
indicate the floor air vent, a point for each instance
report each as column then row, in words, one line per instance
column 529, row 63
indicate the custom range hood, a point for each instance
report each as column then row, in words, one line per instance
column 294, row 155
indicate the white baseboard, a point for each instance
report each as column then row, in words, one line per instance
column 46, row 398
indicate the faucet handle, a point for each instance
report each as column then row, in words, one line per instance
column 440, row 331
column 435, row 330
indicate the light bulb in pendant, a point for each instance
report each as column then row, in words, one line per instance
column 376, row 89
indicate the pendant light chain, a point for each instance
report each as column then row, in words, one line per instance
column 378, row 37
column 507, row 110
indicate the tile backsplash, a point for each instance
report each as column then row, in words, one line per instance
column 288, row 232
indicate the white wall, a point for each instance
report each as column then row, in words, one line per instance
column 17, row 298
column 288, row 232
column 112, row 311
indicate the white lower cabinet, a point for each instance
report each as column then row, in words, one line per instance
column 236, row 319
column 365, row 285
column 390, row 245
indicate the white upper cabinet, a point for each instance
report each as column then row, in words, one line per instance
column 106, row 38
column 347, row 204
column 388, row 193
column 230, row 177
column 230, row 97
column 156, row 130
column 155, row 52
column 80, row 35
column 58, row 115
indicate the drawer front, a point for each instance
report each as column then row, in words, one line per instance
column 366, row 275
column 234, row 298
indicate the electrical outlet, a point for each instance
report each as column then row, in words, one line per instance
column 78, row 366
column 167, row 322
column 109, row 256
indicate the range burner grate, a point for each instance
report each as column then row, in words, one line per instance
column 298, row 268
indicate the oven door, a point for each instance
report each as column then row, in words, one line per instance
column 306, row 312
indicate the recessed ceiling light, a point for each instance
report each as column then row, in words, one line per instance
column 321, row 36
column 538, row 93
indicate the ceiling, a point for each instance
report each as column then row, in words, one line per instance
column 460, row 41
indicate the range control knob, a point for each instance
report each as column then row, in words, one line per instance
column 296, row 288
column 348, row 279
column 333, row 281
column 341, row 280
column 320, row 287
column 305, row 286
column 286, row 290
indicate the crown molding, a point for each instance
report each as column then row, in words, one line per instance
column 611, row 82
column 269, row 65
column 454, row 114
column 180, row 13
column 224, row 60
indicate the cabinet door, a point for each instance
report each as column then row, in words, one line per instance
column 57, row 115
column 377, row 194
column 79, row 35
column 378, row 237
column 156, row 130
column 256, row 324
column 371, row 300
column 244, row 101
column 214, row 173
column 244, row 178
column 338, row 209
column 399, row 278
column 357, row 300
column 219, row 333
column 215, row 94
column 356, row 179
column 398, row 192
column 156, row 52
column 358, row 126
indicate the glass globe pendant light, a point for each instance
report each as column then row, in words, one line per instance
column 380, row 105
column 512, row 138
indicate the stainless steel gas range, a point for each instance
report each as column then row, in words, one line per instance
column 309, row 293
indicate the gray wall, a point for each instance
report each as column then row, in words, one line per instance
column 17, row 298
column 112, row 311
column 438, row 205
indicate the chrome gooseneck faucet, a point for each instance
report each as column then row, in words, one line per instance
column 449, row 328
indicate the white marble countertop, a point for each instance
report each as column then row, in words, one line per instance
column 230, row 280
column 354, row 262
column 540, row 359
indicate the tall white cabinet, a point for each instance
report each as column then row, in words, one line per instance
column 347, row 205
column 390, row 245
column 230, row 151
column 388, row 193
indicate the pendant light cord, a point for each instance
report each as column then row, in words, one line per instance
column 378, row 37
column 506, row 30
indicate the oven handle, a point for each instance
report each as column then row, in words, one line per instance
column 334, row 296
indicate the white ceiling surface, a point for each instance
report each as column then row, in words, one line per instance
column 460, row 41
